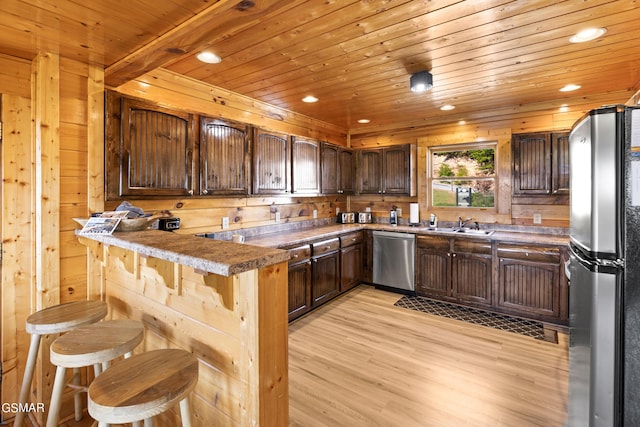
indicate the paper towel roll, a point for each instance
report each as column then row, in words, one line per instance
column 414, row 216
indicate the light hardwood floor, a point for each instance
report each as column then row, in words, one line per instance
column 360, row 361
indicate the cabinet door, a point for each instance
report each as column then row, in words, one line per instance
column 471, row 277
column 560, row 163
column 326, row 278
column 396, row 170
column 350, row 266
column 299, row 289
column 532, row 164
column 347, row 171
column 433, row 263
column 370, row 171
column 305, row 166
column 157, row 150
column 330, row 169
column 271, row 163
column 224, row 157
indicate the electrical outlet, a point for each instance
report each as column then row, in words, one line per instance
column 225, row 222
column 399, row 211
column 277, row 217
column 337, row 211
column 315, row 213
column 367, row 209
column 537, row 218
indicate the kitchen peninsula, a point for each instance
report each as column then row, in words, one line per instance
column 222, row 301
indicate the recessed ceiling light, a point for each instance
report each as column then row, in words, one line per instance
column 310, row 99
column 447, row 107
column 208, row 57
column 569, row 88
column 462, row 122
column 363, row 121
column 563, row 108
column 587, row 35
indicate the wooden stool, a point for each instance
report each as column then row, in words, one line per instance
column 96, row 345
column 143, row 386
column 54, row 320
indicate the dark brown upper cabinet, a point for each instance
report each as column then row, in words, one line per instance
column 541, row 167
column 385, row 170
column 305, row 165
column 271, row 162
column 337, row 169
column 149, row 149
column 224, row 157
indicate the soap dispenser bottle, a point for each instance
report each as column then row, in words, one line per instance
column 393, row 216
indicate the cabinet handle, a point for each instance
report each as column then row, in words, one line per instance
column 448, row 253
column 295, row 256
column 190, row 192
column 205, row 192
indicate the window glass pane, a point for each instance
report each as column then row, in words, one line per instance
column 463, row 193
column 463, row 178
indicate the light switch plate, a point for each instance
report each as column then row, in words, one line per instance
column 399, row 211
column 277, row 216
column 225, row 222
column 315, row 213
column 537, row 218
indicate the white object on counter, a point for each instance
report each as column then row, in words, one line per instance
column 414, row 215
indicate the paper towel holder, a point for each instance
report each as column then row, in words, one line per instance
column 414, row 217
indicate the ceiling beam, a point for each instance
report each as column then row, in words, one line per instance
column 217, row 22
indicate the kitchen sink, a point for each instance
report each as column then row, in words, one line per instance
column 473, row 232
column 456, row 230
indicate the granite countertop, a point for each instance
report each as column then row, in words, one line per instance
column 215, row 256
column 292, row 238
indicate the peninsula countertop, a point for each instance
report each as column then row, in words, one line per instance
column 214, row 256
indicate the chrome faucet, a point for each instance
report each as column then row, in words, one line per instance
column 463, row 224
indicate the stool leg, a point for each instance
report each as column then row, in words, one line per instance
column 28, row 377
column 77, row 397
column 148, row 422
column 137, row 423
column 56, row 397
column 185, row 413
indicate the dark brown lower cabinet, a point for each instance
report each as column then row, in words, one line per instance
column 325, row 271
column 299, row 281
column 531, row 282
column 433, row 260
column 350, row 260
column 471, row 271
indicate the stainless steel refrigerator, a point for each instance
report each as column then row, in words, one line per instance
column 604, row 300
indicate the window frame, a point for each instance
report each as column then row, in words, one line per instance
column 463, row 147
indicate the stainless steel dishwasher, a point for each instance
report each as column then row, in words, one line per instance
column 394, row 260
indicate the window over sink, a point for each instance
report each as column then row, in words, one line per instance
column 462, row 176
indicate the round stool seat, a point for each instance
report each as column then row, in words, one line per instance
column 143, row 386
column 54, row 320
column 64, row 317
column 96, row 343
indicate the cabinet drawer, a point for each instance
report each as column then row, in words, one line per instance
column 299, row 253
column 433, row 242
column 350, row 239
column 326, row 246
column 529, row 253
column 472, row 246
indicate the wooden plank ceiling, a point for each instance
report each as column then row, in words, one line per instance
column 486, row 56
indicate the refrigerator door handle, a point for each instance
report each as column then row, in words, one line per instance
column 567, row 270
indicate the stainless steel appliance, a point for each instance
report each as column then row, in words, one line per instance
column 346, row 217
column 167, row 224
column 394, row 260
column 604, row 292
column 365, row 218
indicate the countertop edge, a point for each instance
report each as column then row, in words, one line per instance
column 213, row 256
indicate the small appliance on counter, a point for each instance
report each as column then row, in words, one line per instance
column 364, row 218
column 393, row 216
column 166, row 224
column 346, row 217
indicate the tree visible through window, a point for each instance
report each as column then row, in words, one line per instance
column 463, row 177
